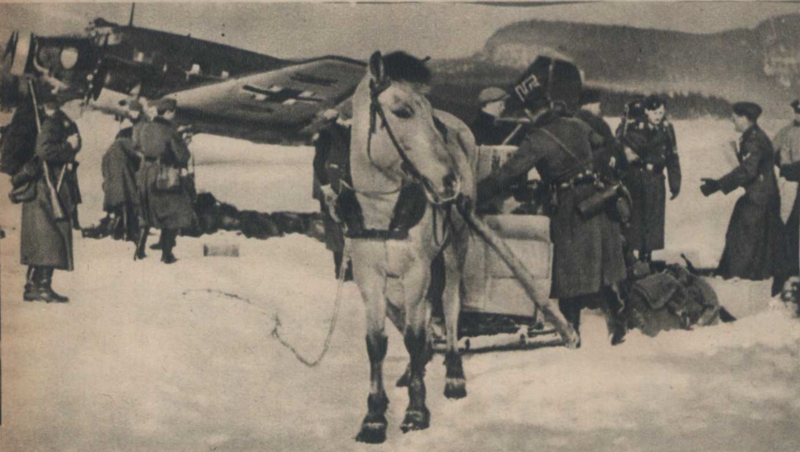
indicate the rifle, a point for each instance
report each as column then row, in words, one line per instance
column 53, row 198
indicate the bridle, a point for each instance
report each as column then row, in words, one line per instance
column 408, row 167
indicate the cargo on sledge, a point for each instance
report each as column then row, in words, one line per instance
column 494, row 302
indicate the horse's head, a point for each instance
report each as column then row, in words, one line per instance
column 403, row 139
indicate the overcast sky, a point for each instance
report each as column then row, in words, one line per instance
column 440, row 30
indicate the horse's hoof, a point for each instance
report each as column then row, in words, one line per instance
column 455, row 388
column 402, row 382
column 373, row 430
column 416, row 420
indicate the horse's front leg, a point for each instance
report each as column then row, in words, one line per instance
column 372, row 285
column 415, row 284
column 455, row 386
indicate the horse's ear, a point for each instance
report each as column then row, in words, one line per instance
column 376, row 66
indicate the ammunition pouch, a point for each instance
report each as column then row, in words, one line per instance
column 30, row 171
column 25, row 192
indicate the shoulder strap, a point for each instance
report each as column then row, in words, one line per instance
column 564, row 147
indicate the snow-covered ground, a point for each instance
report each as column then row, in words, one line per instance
column 172, row 358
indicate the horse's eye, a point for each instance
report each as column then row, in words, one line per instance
column 403, row 113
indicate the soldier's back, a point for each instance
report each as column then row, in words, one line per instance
column 154, row 138
column 564, row 146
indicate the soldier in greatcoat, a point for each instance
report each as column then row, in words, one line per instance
column 609, row 157
column 168, row 209
column 119, row 166
column 588, row 261
column 754, row 231
column 651, row 149
column 47, row 219
column 331, row 171
column 787, row 152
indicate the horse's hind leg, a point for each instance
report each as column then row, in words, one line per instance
column 455, row 386
column 373, row 428
column 416, row 340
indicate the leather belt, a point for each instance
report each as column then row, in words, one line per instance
column 648, row 167
column 586, row 177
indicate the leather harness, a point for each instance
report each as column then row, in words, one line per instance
column 405, row 216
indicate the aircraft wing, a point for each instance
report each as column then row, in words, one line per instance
column 289, row 98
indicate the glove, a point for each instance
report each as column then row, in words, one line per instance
column 630, row 155
column 330, row 201
column 73, row 141
column 675, row 194
column 709, row 187
column 464, row 204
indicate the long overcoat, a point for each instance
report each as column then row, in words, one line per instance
column 162, row 146
column 332, row 167
column 119, row 166
column 587, row 251
column 46, row 241
column 657, row 150
column 787, row 148
column 753, row 238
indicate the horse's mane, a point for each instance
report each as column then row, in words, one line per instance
column 400, row 66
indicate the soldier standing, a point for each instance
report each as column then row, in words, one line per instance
column 119, row 167
column 787, row 149
column 752, row 240
column 47, row 219
column 590, row 113
column 165, row 201
column 588, row 261
column 331, row 170
column 652, row 148
column 609, row 157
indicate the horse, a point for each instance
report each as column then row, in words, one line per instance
column 399, row 142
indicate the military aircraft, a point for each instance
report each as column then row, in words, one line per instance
column 221, row 90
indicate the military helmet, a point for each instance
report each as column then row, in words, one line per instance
column 654, row 102
column 634, row 109
column 749, row 110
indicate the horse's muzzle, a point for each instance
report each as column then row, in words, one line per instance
column 451, row 189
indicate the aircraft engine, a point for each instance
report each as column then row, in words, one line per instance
column 18, row 53
column 16, row 58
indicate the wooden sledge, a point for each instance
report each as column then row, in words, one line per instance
column 507, row 279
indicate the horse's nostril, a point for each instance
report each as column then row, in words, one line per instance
column 449, row 180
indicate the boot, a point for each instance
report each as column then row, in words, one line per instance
column 141, row 243
column 31, row 291
column 348, row 273
column 46, row 292
column 571, row 310
column 613, row 307
column 117, row 232
column 337, row 263
column 167, row 257
column 157, row 246
column 167, row 244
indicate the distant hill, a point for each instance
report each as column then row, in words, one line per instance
column 760, row 64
